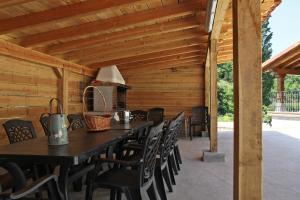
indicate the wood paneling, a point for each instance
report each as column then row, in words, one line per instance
column 176, row 88
column 26, row 88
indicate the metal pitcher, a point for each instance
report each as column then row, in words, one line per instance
column 57, row 127
column 124, row 116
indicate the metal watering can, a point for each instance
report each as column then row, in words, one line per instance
column 56, row 126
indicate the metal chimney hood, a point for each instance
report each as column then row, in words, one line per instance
column 110, row 74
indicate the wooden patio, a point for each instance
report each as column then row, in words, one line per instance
column 166, row 50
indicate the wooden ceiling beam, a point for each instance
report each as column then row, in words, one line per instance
column 8, row 3
column 164, row 58
column 124, row 53
column 289, row 61
column 287, row 71
column 294, row 64
column 16, row 51
column 141, row 42
column 138, row 58
column 134, row 33
column 283, row 57
column 170, row 11
column 58, row 13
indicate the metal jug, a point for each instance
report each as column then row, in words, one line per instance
column 57, row 127
column 124, row 116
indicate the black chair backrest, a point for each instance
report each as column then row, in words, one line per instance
column 19, row 130
column 199, row 115
column 44, row 122
column 156, row 115
column 76, row 121
column 136, row 115
column 149, row 155
column 167, row 141
column 179, row 122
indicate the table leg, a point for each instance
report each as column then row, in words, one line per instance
column 63, row 178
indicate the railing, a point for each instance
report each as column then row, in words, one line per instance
column 285, row 101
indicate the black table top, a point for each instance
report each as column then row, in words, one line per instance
column 134, row 125
column 82, row 145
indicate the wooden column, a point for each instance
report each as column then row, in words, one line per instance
column 247, row 100
column 280, row 86
column 213, row 96
column 207, row 81
column 65, row 90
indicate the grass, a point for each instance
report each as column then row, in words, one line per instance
column 225, row 118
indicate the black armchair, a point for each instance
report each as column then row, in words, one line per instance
column 134, row 183
column 156, row 115
column 21, row 189
column 199, row 117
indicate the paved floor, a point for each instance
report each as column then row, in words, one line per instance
column 213, row 181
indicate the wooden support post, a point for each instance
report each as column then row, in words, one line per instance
column 280, row 85
column 207, row 81
column 280, row 89
column 247, row 100
column 63, row 87
column 65, row 91
column 213, row 97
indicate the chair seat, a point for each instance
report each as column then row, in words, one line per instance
column 118, row 178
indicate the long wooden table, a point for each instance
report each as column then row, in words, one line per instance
column 82, row 146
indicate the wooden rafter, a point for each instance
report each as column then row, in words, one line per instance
column 149, row 56
column 137, row 43
column 16, row 51
column 144, row 50
column 58, row 13
column 199, row 53
column 8, row 3
column 288, row 71
column 137, row 32
column 115, row 22
column 284, row 59
column 194, row 55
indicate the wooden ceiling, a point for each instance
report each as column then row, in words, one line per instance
column 225, row 40
column 286, row 62
column 97, row 33
column 129, row 33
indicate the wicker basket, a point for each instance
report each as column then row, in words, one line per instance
column 95, row 122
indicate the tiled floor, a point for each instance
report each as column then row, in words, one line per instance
column 213, row 181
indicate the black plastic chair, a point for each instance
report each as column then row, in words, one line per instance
column 163, row 170
column 19, row 130
column 156, row 115
column 76, row 121
column 199, row 117
column 134, row 183
column 136, row 115
column 180, row 123
column 21, row 189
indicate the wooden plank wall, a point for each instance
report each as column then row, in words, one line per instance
column 27, row 87
column 176, row 89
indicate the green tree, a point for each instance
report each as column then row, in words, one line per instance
column 225, row 89
column 267, row 77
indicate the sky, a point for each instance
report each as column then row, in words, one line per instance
column 285, row 25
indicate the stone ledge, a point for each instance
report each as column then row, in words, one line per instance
column 213, row 157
